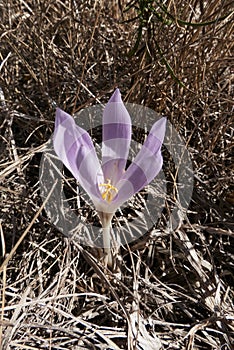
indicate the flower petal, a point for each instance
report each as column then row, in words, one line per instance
column 116, row 138
column 146, row 165
column 75, row 149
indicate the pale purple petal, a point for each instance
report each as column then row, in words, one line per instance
column 145, row 166
column 116, row 138
column 75, row 149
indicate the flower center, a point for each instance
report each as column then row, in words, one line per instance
column 109, row 191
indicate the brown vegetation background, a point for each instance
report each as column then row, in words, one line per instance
column 176, row 288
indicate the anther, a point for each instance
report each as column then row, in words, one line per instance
column 108, row 192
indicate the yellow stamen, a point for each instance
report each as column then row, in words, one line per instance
column 108, row 192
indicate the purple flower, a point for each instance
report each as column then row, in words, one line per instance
column 109, row 184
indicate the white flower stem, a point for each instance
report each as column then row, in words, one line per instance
column 106, row 230
column 107, row 246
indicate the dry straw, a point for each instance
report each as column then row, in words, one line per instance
column 176, row 286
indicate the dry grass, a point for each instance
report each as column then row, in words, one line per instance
column 176, row 288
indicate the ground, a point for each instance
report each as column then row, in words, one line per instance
column 174, row 289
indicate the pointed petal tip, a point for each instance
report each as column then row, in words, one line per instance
column 59, row 112
column 159, row 128
column 116, row 97
column 61, row 116
column 164, row 120
column 58, row 117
